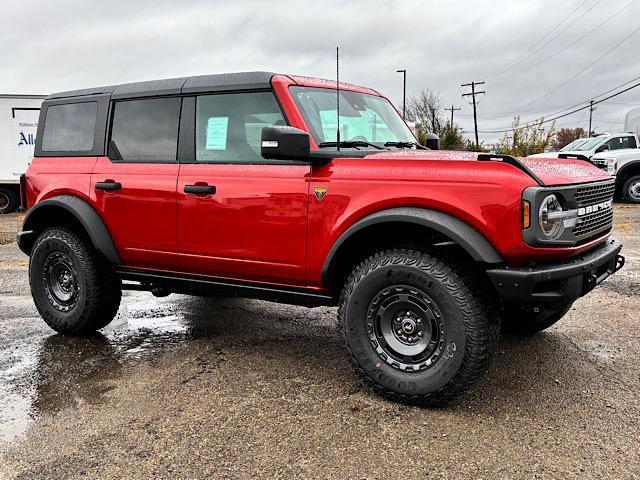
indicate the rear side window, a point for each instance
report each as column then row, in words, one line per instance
column 146, row 130
column 70, row 127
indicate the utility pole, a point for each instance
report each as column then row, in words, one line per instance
column 404, row 92
column 473, row 94
column 590, row 115
column 452, row 109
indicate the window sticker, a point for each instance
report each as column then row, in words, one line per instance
column 217, row 133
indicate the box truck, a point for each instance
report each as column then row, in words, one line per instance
column 18, row 125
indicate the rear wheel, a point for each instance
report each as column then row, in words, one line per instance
column 74, row 289
column 527, row 320
column 8, row 200
column 631, row 189
column 416, row 329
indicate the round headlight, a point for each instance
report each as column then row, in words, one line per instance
column 551, row 225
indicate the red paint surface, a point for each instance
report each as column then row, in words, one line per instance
column 264, row 223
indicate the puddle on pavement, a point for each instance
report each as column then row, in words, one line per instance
column 42, row 372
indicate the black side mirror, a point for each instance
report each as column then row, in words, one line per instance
column 285, row 143
column 602, row 148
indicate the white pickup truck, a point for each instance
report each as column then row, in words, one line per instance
column 607, row 142
column 18, row 125
column 624, row 165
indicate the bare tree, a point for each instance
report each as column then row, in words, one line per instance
column 425, row 109
column 565, row 136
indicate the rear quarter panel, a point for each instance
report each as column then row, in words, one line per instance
column 51, row 176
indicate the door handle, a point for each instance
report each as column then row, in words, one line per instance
column 109, row 185
column 200, row 189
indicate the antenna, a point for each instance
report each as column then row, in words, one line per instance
column 338, row 96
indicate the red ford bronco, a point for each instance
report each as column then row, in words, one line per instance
column 238, row 184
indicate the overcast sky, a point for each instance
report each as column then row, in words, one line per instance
column 52, row 46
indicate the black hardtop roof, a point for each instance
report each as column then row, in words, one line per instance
column 172, row 86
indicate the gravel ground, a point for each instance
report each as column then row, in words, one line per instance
column 183, row 387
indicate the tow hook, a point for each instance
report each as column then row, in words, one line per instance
column 619, row 263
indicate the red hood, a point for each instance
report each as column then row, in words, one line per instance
column 551, row 171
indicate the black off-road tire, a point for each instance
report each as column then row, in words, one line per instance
column 470, row 331
column 95, row 289
column 524, row 320
column 9, row 201
column 630, row 189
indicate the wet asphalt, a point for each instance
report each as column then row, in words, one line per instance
column 182, row 387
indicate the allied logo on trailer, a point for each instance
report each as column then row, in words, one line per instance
column 320, row 192
column 595, row 208
column 26, row 139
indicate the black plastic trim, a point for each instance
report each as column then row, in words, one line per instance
column 559, row 281
column 202, row 285
column 484, row 157
column 463, row 234
column 83, row 212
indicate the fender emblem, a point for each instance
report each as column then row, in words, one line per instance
column 320, row 192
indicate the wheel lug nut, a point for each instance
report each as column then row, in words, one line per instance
column 420, row 334
column 418, row 321
column 399, row 331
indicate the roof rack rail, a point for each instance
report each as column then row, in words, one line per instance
column 487, row 157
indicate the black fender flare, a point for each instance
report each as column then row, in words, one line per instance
column 472, row 241
column 83, row 212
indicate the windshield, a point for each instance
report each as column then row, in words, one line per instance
column 589, row 144
column 574, row 144
column 363, row 117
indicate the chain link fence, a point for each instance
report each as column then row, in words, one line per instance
column 9, row 225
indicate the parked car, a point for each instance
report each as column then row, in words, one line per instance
column 237, row 184
column 624, row 165
column 18, row 123
column 601, row 143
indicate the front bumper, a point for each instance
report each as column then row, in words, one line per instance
column 558, row 281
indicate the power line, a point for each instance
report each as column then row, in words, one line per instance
column 452, row 109
column 542, row 121
column 508, row 75
column 585, row 68
column 554, row 37
column 473, row 94
column 506, row 67
column 562, row 109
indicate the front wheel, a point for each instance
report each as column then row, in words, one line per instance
column 416, row 329
column 631, row 189
column 74, row 289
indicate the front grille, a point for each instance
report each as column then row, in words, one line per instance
column 600, row 192
column 593, row 222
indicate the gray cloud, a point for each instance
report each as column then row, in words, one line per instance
column 53, row 46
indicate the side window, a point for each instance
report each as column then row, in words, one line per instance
column 70, row 127
column 146, row 130
column 229, row 126
column 619, row 143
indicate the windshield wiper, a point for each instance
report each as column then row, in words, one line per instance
column 405, row 145
column 351, row 144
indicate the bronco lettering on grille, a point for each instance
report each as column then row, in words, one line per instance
column 595, row 208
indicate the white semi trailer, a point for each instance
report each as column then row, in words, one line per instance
column 18, row 125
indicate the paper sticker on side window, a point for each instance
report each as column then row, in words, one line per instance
column 217, row 133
